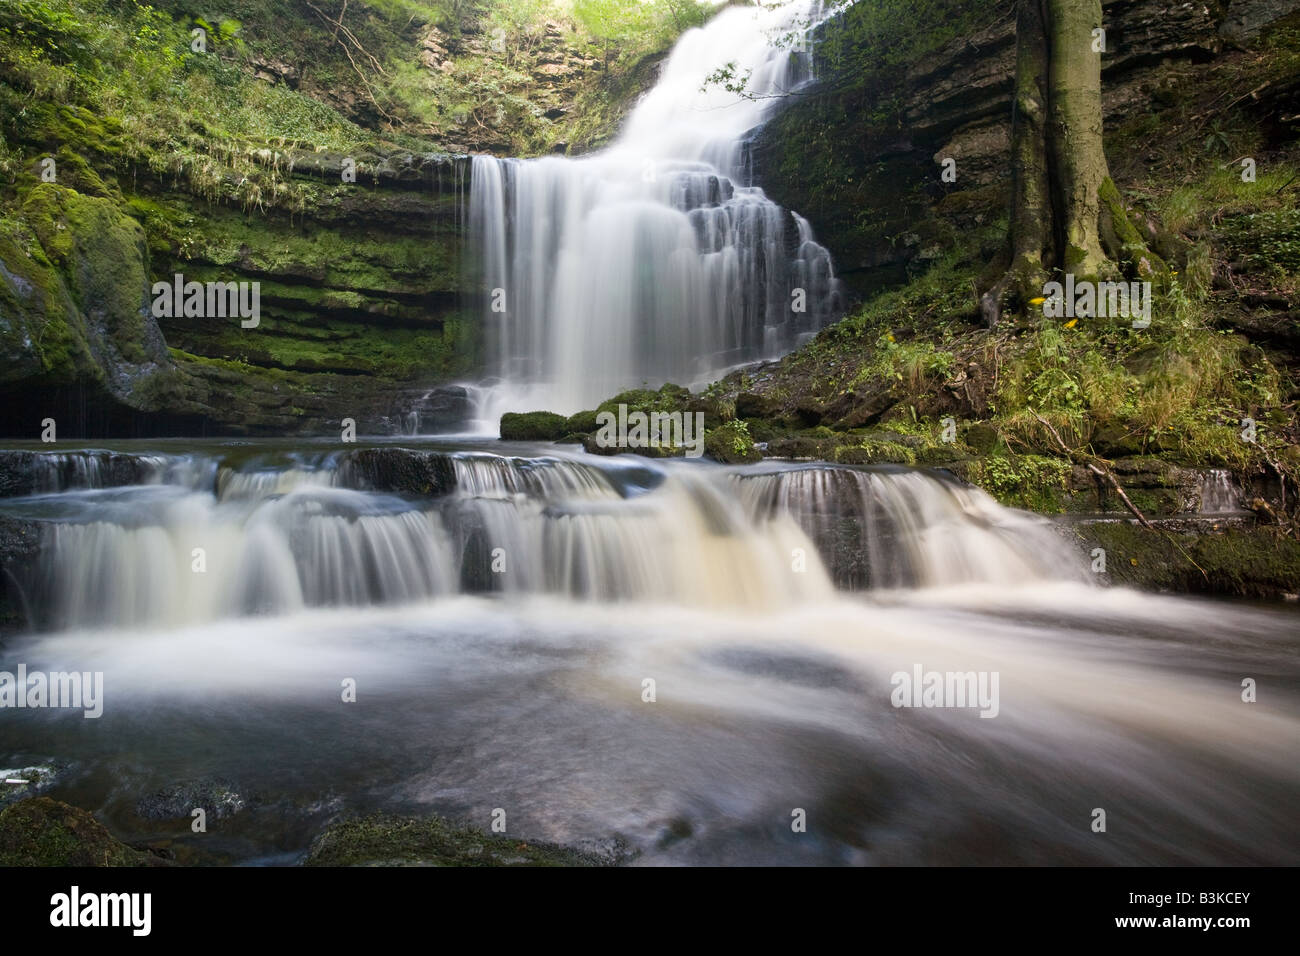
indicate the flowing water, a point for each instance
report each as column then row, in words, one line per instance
column 501, row 630
column 656, row 259
column 665, row 661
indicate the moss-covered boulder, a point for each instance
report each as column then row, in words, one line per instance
column 582, row 423
column 46, row 832
column 667, row 398
column 731, row 444
column 533, row 426
column 74, row 300
column 872, row 452
column 432, row 841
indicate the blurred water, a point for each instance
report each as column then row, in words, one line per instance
column 523, row 689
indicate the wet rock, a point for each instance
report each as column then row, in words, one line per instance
column 18, row 473
column 445, row 409
column 23, row 783
column 398, row 470
column 20, row 547
column 45, row 832
column 219, row 799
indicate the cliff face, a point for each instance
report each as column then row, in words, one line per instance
column 861, row 156
column 128, row 158
column 359, row 303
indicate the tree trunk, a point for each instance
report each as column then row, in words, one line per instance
column 1076, row 153
column 1032, row 243
column 1066, row 214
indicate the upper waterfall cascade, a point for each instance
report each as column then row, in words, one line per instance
column 656, row 259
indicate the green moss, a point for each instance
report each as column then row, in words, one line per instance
column 731, row 444
column 533, row 426
column 875, row 452
column 101, row 254
column 668, row 398
column 1243, row 563
column 581, row 423
column 1033, row 482
column 44, row 832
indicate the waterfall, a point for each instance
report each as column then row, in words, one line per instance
column 1219, row 494
column 568, row 632
column 899, row 528
column 275, row 534
column 657, row 259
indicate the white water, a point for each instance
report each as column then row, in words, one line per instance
column 655, row 260
column 278, row 537
column 1220, row 495
column 905, row 529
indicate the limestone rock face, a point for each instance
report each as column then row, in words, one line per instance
column 74, row 298
column 885, row 208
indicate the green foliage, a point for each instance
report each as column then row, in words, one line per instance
column 1266, row 241
column 636, row 27
column 731, row 443
column 1035, row 482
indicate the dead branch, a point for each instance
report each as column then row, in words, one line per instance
column 1090, row 462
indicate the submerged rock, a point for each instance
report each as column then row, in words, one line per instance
column 220, row 799
column 433, row 841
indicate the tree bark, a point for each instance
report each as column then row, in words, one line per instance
column 1077, row 155
column 1031, row 207
column 1066, row 214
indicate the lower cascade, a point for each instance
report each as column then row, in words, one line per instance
column 206, row 540
column 565, row 631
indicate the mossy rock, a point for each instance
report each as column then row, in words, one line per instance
column 731, row 444
column 667, row 398
column 982, row 437
column 582, row 423
column 396, row 841
column 1115, row 441
column 45, row 832
column 875, row 453
column 1255, row 563
column 756, row 405
column 101, row 252
column 802, row 446
column 940, row 455
column 533, row 426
